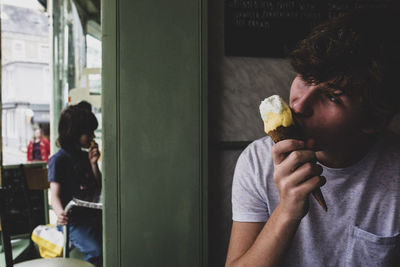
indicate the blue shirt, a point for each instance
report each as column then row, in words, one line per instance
column 74, row 174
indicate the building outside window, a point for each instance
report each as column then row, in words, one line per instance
column 26, row 79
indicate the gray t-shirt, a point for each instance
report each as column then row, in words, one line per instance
column 362, row 225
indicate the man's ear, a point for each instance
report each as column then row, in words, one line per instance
column 376, row 126
column 370, row 131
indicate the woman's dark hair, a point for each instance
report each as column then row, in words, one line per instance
column 359, row 53
column 74, row 121
column 84, row 105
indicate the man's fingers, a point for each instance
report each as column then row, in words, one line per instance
column 302, row 174
column 281, row 149
column 310, row 185
column 296, row 159
column 305, row 171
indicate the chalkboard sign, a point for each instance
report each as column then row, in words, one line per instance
column 269, row 28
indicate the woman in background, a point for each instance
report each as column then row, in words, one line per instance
column 38, row 148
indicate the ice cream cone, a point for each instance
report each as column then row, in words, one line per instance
column 282, row 133
column 279, row 125
column 320, row 198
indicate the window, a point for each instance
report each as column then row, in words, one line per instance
column 18, row 50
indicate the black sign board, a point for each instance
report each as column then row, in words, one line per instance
column 269, row 28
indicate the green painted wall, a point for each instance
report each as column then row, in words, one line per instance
column 155, row 134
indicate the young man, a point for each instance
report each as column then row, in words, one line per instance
column 344, row 96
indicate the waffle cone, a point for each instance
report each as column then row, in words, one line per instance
column 317, row 194
column 282, row 133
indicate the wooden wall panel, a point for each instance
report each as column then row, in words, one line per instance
column 155, row 146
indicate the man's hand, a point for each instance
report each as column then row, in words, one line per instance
column 94, row 152
column 296, row 175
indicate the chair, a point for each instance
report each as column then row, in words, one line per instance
column 5, row 229
column 55, row 262
column 17, row 216
column 21, row 209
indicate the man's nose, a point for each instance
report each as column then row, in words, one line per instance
column 303, row 104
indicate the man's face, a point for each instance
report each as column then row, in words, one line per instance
column 326, row 115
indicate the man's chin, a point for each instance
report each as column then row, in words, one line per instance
column 313, row 144
column 317, row 149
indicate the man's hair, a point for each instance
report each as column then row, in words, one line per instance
column 75, row 121
column 359, row 53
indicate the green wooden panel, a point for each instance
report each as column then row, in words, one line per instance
column 155, row 144
column 110, row 101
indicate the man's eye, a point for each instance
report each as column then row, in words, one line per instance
column 333, row 98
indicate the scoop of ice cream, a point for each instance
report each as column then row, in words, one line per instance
column 275, row 112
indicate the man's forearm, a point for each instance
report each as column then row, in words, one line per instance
column 272, row 242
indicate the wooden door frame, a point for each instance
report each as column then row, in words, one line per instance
column 112, row 126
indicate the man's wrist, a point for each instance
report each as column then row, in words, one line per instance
column 286, row 218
